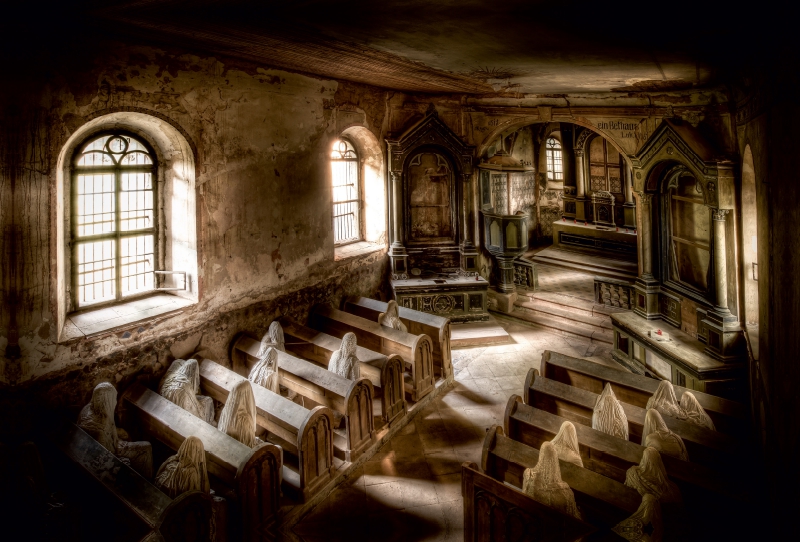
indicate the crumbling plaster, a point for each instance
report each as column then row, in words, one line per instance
column 261, row 139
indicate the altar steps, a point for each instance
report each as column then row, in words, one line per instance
column 565, row 315
column 586, row 263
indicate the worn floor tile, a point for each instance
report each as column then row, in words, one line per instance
column 411, row 489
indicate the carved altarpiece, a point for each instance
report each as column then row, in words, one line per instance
column 432, row 222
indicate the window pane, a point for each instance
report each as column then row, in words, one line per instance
column 96, row 205
column 553, row 153
column 137, row 261
column 96, row 272
column 344, row 183
column 136, row 202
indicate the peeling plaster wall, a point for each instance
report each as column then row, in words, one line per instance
column 261, row 140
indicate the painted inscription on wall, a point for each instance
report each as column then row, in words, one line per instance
column 629, row 133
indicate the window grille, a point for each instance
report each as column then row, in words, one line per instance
column 113, row 220
column 346, row 199
column 555, row 171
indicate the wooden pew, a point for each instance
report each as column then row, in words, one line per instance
column 612, row 456
column 416, row 350
column 728, row 416
column 711, row 448
column 164, row 517
column 385, row 372
column 603, row 501
column 254, row 473
column 417, row 323
column 495, row 512
column 351, row 398
column 307, row 434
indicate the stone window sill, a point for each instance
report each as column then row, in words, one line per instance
column 355, row 249
column 94, row 322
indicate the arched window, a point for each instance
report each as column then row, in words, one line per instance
column 114, row 219
column 346, row 193
column 555, row 171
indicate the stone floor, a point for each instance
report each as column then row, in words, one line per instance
column 411, row 489
column 565, row 281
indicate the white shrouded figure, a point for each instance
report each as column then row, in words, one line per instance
column 695, row 413
column 344, row 361
column 543, row 483
column 647, row 518
column 391, row 318
column 97, row 419
column 666, row 402
column 238, row 416
column 184, row 471
column 655, row 433
column 181, row 385
column 274, row 338
column 265, row 371
column 608, row 415
column 566, row 444
column 650, row 476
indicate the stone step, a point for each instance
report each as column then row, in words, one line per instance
column 564, row 314
column 560, row 326
column 573, row 304
column 604, row 267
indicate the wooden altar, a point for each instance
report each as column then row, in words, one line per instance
column 432, row 253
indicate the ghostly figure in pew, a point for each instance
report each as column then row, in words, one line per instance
column 543, row 483
column 238, row 416
column 265, row 371
column 566, row 444
column 656, row 434
column 97, row 419
column 344, row 361
column 608, row 415
column 689, row 409
column 646, row 519
column 650, row 476
column 391, row 318
column 181, row 385
column 184, row 471
column 272, row 338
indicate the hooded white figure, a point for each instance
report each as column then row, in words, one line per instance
column 272, row 338
column 97, row 419
column 655, row 433
column 665, row 401
column 184, row 471
column 694, row 412
column 344, row 361
column 543, row 483
column 181, row 385
column 391, row 318
column 649, row 476
column 238, row 416
column 647, row 518
column 566, row 444
column 265, row 371
column 608, row 415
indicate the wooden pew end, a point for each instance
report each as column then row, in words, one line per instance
column 529, row 378
column 511, row 407
column 488, row 445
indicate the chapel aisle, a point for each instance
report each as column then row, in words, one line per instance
column 411, row 489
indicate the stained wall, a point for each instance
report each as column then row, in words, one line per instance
column 260, row 139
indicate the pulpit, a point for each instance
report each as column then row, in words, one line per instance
column 504, row 181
